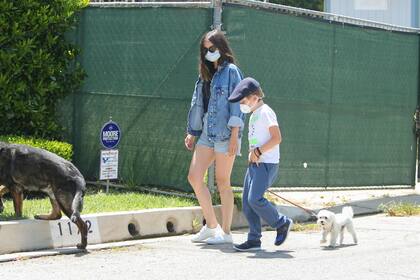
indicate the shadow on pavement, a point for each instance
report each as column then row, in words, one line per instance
column 82, row 253
column 278, row 254
column 328, row 248
column 262, row 254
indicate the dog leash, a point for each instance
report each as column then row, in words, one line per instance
column 310, row 212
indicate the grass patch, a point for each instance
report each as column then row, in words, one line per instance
column 237, row 199
column 101, row 202
column 299, row 227
column 400, row 209
column 305, row 227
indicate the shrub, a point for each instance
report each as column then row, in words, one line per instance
column 64, row 150
column 37, row 65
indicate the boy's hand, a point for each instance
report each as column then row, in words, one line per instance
column 252, row 157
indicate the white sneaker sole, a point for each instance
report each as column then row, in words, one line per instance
column 218, row 242
column 199, row 241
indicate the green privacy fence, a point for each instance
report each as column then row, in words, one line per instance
column 141, row 65
column 344, row 95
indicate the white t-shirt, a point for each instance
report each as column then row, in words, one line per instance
column 259, row 123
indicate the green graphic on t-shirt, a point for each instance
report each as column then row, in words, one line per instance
column 253, row 141
column 254, row 118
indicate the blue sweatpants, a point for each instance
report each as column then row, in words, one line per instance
column 257, row 180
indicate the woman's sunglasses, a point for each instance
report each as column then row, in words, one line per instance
column 211, row 49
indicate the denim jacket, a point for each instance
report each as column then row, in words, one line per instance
column 222, row 115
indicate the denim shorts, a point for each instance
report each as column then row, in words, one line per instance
column 219, row 147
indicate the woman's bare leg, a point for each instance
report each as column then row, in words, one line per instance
column 224, row 165
column 202, row 158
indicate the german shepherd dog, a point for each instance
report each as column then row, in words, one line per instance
column 25, row 168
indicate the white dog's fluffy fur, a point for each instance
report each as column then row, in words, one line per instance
column 335, row 224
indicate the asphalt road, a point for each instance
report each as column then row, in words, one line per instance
column 389, row 248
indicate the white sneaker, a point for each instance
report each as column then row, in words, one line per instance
column 205, row 233
column 220, row 238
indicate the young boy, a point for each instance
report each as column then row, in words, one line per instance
column 264, row 153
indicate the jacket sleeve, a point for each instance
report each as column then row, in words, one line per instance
column 236, row 116
column 195, row 118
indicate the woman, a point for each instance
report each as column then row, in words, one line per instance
column 218, row 126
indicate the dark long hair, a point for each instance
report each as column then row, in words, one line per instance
column 218, row 39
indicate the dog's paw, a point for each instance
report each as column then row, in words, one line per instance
column 81, row 246
column 322, row 241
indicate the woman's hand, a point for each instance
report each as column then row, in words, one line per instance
column 189, row 142
column 233, row 142
column 233, row 146
column 252, row 157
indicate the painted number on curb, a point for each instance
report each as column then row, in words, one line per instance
column 66, row 233
column 70, row 231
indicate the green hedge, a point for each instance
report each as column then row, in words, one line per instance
column 64, row 150
column 37, row 65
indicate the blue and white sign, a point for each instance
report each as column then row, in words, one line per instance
column 110, row 135
column 109, row 165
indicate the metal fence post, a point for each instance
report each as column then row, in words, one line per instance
column 217, row 14
column 210, row 178
column 217, row 24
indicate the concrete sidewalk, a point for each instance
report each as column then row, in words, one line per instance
column 330, row 198
column 388, row 249
column 364, row 202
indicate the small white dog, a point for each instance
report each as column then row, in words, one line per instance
column 334, row 224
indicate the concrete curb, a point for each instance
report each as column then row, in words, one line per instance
column 27, row 235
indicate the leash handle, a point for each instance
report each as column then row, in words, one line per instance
column 312, row 213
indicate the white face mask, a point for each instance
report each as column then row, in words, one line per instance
column 213, row 56
column 246, row 109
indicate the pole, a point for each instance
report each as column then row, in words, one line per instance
column 217, row 14
column 217, row 24
column 210, row 178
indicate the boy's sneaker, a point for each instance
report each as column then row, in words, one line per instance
column 205, row 233
column 220, row 238
column 247, row 246
column 283, row 232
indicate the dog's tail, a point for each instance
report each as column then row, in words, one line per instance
column 77, row 205
column 347, row 211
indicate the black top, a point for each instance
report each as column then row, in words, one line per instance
column 206, row 85
column 206, row 95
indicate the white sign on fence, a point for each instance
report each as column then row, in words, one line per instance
column 109, row 165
